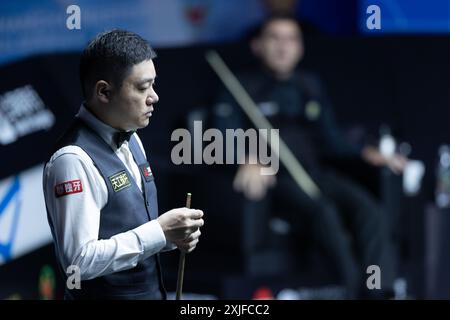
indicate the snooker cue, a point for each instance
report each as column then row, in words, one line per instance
column 182, row 259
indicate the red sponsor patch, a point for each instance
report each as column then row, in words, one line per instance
column 68, row 187
column 147, row 171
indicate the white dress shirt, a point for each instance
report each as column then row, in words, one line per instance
column 76, row 217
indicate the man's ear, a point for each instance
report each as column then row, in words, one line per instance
column 103, row 91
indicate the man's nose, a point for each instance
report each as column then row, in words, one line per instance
column 152, row 98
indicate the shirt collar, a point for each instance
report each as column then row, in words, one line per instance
column 105, row 131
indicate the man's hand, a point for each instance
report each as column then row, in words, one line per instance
column 251, row 182
column 188, row 245
column 181, row 226
column 396, row 162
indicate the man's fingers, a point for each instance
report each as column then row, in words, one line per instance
column 193, row 227
column 193, row 236
column 198, row 223
column 192, row 244
column 189, row 246
column 194, row 213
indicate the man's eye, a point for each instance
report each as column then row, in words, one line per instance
column 142, row 89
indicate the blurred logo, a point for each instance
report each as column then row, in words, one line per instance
column 68, row 187
column 147, row 172
column 269, row 108
column 119, row 181
column 22, row 112
column 10, row 204
column 263, row 293
column 47, row 283
column 196, row 11
column 312, row 110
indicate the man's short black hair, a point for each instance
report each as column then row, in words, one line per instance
column 110, row 56
column 258, row 30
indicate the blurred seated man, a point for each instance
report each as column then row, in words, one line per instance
column 294, row 102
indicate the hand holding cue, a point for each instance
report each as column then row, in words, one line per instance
column 182, row 259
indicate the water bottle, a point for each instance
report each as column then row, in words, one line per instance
column 443, row 178
column 387, row 144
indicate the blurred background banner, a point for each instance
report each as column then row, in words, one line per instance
column 33, row 27
column 38, row 27
column 23, row 225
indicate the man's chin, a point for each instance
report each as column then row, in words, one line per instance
column 143, row 123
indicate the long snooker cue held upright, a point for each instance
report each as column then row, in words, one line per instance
column 182, row 259
column 244, row 100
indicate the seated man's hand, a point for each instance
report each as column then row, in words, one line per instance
column 251, row 182
column 396, row 162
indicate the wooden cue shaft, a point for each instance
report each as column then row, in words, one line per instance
column 285, row 155
column 182, row 259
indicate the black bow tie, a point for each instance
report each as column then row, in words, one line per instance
column 122, row 136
